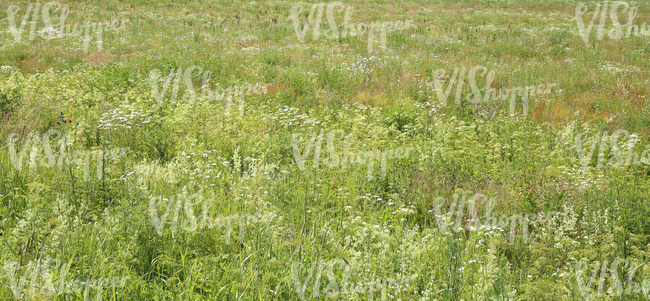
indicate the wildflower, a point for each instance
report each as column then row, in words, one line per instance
column 404, row 210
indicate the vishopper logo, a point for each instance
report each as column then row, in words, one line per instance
column 344, row 286
column 619, row 270
column 45, row 286
column 49, row 32
column 352, row 30
column 491, row 222
column 490, row 93
column 228, row 95
column 361, row 158
column 192, row 223
column 615, row 33
column 617, row 149
column 49, row 160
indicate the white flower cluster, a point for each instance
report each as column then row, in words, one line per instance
column 6, row 68
column 363, row 64
column 287, row 116
column 119, row 118
column 581, row 179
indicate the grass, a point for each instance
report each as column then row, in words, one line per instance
column 275, row 231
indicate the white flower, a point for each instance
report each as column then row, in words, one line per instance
column 404, row 210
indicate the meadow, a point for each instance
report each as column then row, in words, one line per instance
column 358, row 150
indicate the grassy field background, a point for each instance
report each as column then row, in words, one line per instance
column 205, row 201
